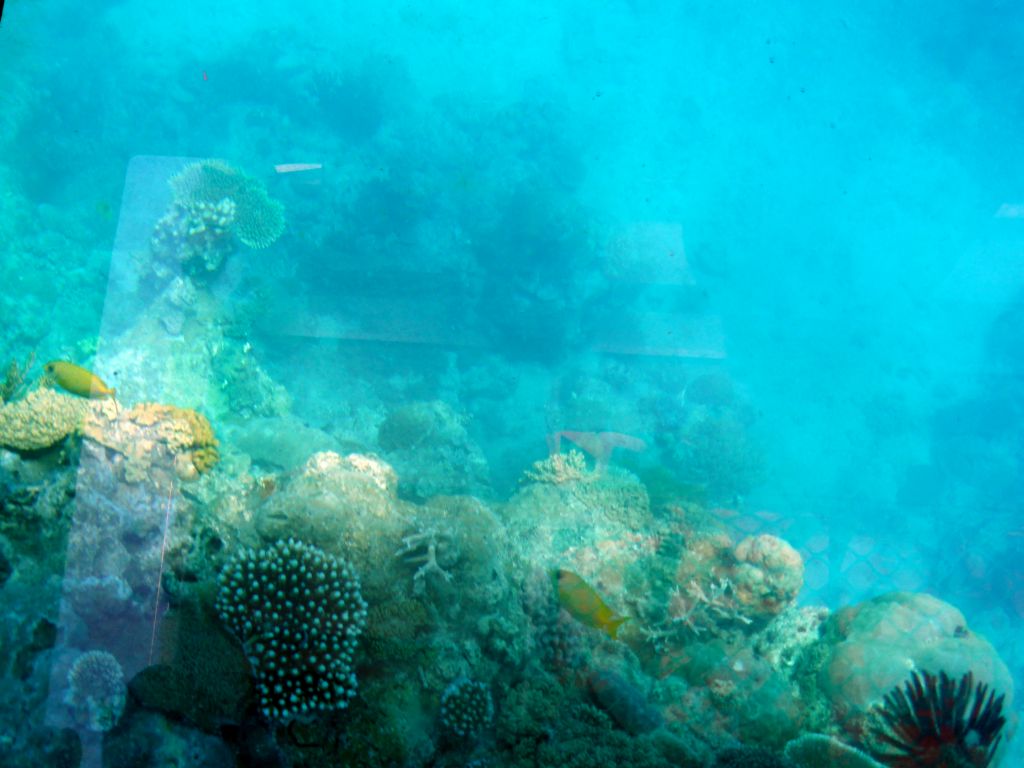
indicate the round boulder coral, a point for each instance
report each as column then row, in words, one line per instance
column 43, row 418
column 466, row 708
column 97, row 691
column 299, row 613
column 767, row 576
column 870, row 648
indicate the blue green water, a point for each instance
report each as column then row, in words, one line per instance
column 761, row 266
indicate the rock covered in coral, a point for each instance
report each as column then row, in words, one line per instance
column 466, row 708
column 193, row 236
column 868, row 648
column 767, row 576
column 152, row 437
column 257, row 219
column 97, row 691
column 299, row 613
column 789, row 634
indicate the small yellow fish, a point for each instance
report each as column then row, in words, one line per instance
column 584, row 604
column 77, row 380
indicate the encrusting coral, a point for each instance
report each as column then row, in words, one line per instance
column 150, row 433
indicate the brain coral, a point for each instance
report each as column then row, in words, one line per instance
column 768, row 574
column 299, row 613
column 97, row 691
column 258, row 219
column 869, row 649
column 43, row 418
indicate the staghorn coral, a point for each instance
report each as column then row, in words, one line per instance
column 97, row 691
column 932, row 722
column 466, row 708
column 299, row 614
column 40, row 420
column 427, row 549
column 258, row 219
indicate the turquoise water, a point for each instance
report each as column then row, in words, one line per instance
column 713, row 309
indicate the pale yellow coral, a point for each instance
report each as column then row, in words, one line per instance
column 559, row 468
column 42, row 419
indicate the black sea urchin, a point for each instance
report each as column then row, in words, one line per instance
column 933, row 722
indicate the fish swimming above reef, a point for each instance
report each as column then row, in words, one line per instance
column 584, row 604
column 77, row 380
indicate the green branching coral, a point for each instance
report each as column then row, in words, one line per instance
column 258, row 219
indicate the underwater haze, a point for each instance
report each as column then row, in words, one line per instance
column 513, row 385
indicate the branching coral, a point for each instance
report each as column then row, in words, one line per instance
column 427, row 549
column 935, row 722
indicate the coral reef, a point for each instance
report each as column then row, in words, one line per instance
column 96, row 691
column 466, row 708
column 299, row 614
column 432, row 452
column 258, row 220
column 193, row 237
column 934, row 721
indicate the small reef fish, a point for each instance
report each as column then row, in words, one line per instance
column 77, row 380
column 584, row 604
column 297, row 167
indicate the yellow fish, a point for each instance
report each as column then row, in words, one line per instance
column 77, row 380
column 584, row 604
